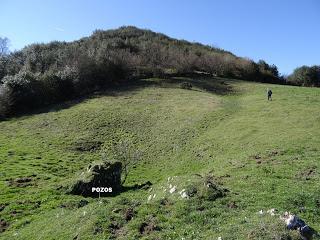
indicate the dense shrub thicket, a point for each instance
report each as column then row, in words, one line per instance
column 41, row 74
column 305, row 76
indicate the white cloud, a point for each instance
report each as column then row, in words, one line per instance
column 59, row 29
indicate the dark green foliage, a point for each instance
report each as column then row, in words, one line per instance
column 18, row 92
column 63, row 70
column 306, row 76
column 186, row 85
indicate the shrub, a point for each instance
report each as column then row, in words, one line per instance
column 19, row 92
column 306, row 76
column 186, row 85
column 56, row 88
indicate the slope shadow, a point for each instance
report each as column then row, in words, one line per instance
column 214, row 85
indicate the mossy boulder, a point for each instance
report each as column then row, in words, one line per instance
column 100, row 179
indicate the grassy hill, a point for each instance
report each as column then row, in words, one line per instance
column 266, row 154
column 43, row 74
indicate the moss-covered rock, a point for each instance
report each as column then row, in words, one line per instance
column 100, row 179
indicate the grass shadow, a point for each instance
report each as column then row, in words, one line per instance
column 213, row 85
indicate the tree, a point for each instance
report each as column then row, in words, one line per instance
column 306, row 76
column 4, row 46
column 124, row 151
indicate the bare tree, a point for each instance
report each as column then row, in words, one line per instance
column 125, row 152
column 4, row 46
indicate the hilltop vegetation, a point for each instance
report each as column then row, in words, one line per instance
column 305, row 76
column 256, row 154
column 42, row 74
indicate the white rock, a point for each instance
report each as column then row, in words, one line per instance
column 173, row 189
column 272, row 211
column 183, row 190
column 154, row 195
column 149, row 198
column 184, row 195
column 260, row 212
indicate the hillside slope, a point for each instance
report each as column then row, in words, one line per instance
column 266, row 154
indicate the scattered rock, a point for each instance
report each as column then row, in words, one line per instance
column 184, row 194
column 293, row 222
column 272, row 211
column 172, row 189
column 103, row 175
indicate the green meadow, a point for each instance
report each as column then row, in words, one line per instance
column 265, row 154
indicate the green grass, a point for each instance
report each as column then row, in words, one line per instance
column 265, row 153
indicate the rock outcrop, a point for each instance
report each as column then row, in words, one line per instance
column 101, row 179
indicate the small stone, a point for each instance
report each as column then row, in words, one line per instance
column 173, row 189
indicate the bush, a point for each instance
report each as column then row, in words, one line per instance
column 57, row 87
column 206, row 188
column 19, row 92
column 186, row 85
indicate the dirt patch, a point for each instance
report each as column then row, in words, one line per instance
column 274, row 152
column 148, row 227
column 129, row 214
column 20, row 182
column 86, row 146
column 2, row 207
column 3, row 225
column 114, row 226
column 232, row 205
column 307, row 174
column 166, row 202
column 257, row 157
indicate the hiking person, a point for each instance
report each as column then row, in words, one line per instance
column 269, row 92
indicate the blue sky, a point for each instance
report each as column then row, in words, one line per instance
column 282, row 32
